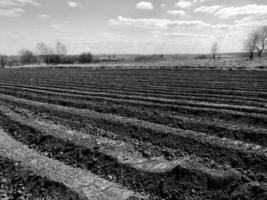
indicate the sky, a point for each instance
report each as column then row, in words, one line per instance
column 129, row 26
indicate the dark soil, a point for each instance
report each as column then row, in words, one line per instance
column 236, row 87
column 237, row 159
column 118, row 108
column 160, row 116
column 169, row 185
column 17, row 183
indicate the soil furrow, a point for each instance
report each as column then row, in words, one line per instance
column 186, row 173
column 140, row 95
column 18, row 182
column 232, row 103
column 214, row 127
column 148, row 88
column 235, row 153
column 222, row 113
column 87, row 185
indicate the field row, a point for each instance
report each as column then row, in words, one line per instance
column 106, row 92
column 71, row 148
column 155, row 133
column 128, row 84
column 232, row 126
column 108, row 134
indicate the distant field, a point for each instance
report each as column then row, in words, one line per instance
column 136, row 134
column 222, row 64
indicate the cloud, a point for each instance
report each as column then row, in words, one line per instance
column 163, row 5
column 208, row 9
column 187, row 3
column 44, row 16
column 32, row 2
column 228, row 12
column 222, row 26
column 183, row 4
column 62, row 27
column 251, row 21
column 144, row 5
column 17, row 3
column 14, row 8
column 155, row 23
column 251, row 9
column 199, row 1
column 7, row 3
column 72, row 4
column 194, row 23
column 12, row 12
column 176, row 12
column 186, row 35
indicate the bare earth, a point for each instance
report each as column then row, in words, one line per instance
column 161, row 134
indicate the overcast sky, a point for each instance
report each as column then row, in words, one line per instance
column 129, row 26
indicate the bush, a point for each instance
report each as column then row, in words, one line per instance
column 3, row 61
column 27, row 57
column 202, row 57
column 85, row 58
column 149, row 57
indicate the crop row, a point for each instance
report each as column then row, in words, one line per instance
column 143, row 111
column 235, row 153
column 80, row 182
column 236, row 113
column 105, row 158
column 227, row 99
column 250, row 90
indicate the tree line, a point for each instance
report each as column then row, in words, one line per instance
column 256, row 42
column 46, row 54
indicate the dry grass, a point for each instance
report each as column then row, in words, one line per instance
column 222, row 64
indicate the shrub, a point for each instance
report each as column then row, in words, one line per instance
column 202, row 56
column 27, row 57
column 3, row 61
column 85, row 58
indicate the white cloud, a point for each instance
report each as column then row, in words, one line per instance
column 32, row 2
column 60, row 27
column 72, row 4
column 193, row 23
column 186, row 35
column 14, row 8
column 222, row 26
column 199, row 1
column 12, row 12
column 163, row 5
column 184, row 4
column 17, row 3
column 187, row 3
column 144, row 5
column 7, row 3
column 156, row 23
column 251, row 9
column 208, row 9
column 251, row 21
column 44, row 16
column 176, row 12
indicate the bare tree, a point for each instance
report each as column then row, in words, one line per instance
column 214, row 50
column 251, row 43
column 60, row 49
column 45, row 52
column 26, row 56
column 261, row 40
column 85, row 58
column 3, row 61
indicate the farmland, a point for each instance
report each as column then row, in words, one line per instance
column 79, row 133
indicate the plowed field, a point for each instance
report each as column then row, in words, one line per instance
column 133, row 134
